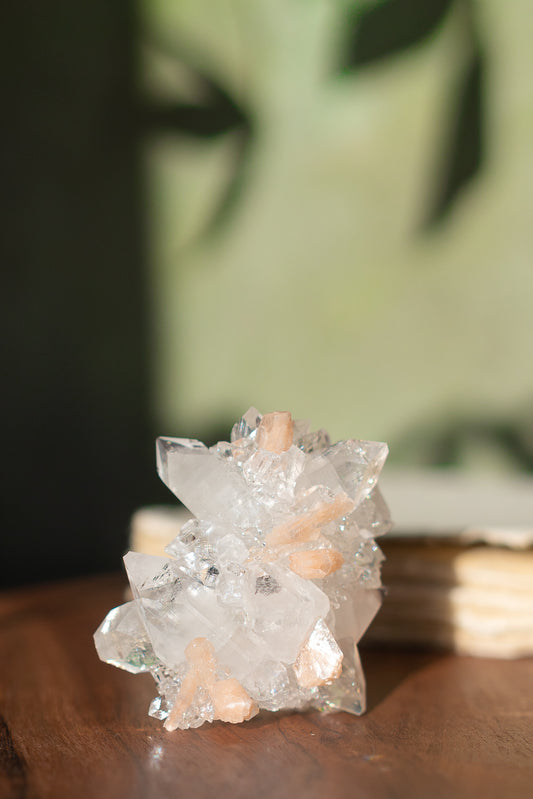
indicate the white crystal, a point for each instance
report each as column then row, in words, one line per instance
column 358, row 465
column 313, row 442
column 280, row 608
column 266, row 592
column 348, row 692
column 123, row 641
column 272, row 476
column 211, row 487
column 247, row 425
column 270, row 684
column 355, row 613
column 158, row 708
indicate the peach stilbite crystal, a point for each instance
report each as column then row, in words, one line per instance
column 275, row 432
column 229, row 699
column 314, row 564
column 319, row 661
column 308, row 526
column 234, row 619
column 231, row 702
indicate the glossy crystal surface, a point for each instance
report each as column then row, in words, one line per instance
column 265, row 594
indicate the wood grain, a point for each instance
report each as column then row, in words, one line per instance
column 70, row 726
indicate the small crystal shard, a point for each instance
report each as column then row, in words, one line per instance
column 319, row 661
column 264, row 594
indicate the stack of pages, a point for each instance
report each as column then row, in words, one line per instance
column 459, row 564
column 458, row 572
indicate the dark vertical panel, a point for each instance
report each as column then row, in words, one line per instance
column 76, row 450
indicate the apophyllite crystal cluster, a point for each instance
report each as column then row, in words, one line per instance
column 265, row 594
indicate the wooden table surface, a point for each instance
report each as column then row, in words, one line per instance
column 71, row 726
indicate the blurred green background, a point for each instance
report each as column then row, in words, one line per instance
column 316, row 205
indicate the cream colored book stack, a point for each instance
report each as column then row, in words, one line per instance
column 459, row 567
column 459, row 562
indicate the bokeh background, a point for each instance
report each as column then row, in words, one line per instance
column 316, row 205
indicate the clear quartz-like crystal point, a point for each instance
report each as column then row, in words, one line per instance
column 265, row 593
column 247, row 425
column 348, row 692
column 123, row 641
column 358, row 465
column 314, row 442
column 211, row 487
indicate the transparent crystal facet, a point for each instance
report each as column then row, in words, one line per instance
column 247, row 425
column 348, row 692
column 123, row 641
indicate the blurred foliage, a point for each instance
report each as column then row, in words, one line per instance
column 340, row 197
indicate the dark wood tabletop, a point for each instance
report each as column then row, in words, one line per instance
column 71, row 726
